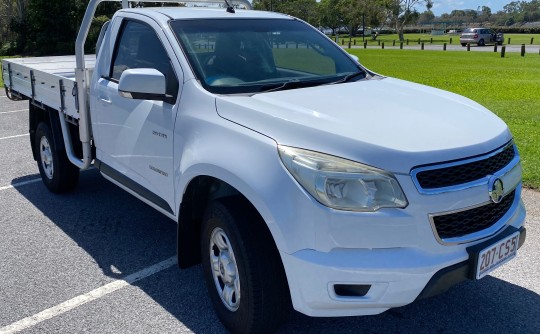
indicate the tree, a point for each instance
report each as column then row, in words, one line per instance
column 512, row 7
column 485, row 14
column 329, row 14
column 426, row 17
column 352, row 12
column 355, row 12
column 302, row 9
column 403, row 11
column 13, row 25
column 53, row 25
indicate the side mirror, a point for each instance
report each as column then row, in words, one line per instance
column 142, row 84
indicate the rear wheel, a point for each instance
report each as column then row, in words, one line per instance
column 242, row 268
column 481, row 42
column 57, row 173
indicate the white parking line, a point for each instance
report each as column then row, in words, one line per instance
column 13, row 111
column 15, row 185
column 17, row 136
column 23, row 183
column 87, row 297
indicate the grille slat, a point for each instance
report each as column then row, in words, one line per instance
column 468, row 172
column 466, row 222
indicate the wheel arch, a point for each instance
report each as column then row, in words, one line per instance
column 197, row 194
column 38, row 114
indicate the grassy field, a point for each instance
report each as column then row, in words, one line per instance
column 515, row 39
column 510, row 87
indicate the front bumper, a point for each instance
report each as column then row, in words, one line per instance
column 395, row 276
column 447, row 277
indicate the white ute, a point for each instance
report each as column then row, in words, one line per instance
column 297, row 176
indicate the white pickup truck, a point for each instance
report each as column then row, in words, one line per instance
column 298, row 177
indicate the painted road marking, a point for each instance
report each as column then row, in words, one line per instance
column 87, row 297
column 17, row 136
column 23, row 183
column 15, row 185
column 13, row 111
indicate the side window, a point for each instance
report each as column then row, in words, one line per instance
column 140, row 47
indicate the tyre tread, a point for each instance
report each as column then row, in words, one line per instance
column 270, row 303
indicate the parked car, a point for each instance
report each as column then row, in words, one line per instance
column 480, row 36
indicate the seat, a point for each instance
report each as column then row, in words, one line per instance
column 229, row 57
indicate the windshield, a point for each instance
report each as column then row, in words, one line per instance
column 231, row 56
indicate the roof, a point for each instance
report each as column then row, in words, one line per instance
column 203, row 13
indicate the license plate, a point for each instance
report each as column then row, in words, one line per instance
column 496, row 255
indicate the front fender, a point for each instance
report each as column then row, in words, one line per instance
column 250, row 163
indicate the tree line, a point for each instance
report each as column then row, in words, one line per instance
column 49, row 27
column 515, row 12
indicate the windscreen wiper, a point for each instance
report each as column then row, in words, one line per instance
column 349, row 77
column 293, row 83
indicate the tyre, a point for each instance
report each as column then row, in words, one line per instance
column 242, row 268
column 463, row 44
column 58, row 174
column 481, row 42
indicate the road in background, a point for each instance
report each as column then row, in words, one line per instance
column 58, row 248
column 530, row 50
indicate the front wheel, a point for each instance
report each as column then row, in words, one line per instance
column 57, row 173
column 242, row 268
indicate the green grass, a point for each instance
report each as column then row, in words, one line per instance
column 516, row 39
column 510, row 87
column 296, row 59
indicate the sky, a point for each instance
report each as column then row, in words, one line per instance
column 446, row 6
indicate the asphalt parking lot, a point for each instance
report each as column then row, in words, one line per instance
column 99, row 261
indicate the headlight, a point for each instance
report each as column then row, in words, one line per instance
column 342, row 184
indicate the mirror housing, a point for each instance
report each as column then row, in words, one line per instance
column 143, row 84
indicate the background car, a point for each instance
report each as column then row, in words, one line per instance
column 480, row 36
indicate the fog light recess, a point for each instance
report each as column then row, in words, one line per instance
column 351, row 290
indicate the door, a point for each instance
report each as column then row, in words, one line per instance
column 136, row 136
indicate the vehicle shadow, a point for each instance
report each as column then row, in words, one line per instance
column 490, row 305
column 124, row 236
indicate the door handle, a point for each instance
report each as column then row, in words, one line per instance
column 105, row 100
